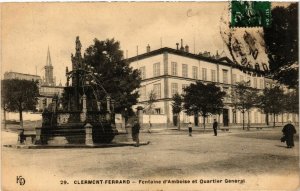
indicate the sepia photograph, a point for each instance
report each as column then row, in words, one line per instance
column 150, row 96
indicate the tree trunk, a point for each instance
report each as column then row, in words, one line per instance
column 150, row 124
column 178, row 121
column 273, row 120
column 4, row 117
column 204, row 122
column 267, row 119
column 21, row 119
column 243, row 113
column 248, row 125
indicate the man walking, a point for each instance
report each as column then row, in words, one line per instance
column 289, row 131
column 190, row 129
column 135, row 132
column 215, row 126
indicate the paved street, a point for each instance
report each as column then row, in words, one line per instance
column 256, row 156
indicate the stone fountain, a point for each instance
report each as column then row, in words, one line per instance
column 85, row 115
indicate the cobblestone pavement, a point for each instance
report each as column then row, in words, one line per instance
column 257, row 157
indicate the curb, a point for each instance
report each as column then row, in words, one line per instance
column 75, row 146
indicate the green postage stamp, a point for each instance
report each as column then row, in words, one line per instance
column 250, row 14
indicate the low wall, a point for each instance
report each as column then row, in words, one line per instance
column 26, row 116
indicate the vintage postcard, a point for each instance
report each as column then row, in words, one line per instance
column 150, row 96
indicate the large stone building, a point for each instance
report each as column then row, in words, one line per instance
column 21, row 76
column 167, row 71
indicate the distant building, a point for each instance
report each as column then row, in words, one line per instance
column 21, row 76
column 167, row 71
column 48, row 88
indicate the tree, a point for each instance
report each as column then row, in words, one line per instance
column 19, row 95
column 5, row 102
column 203, row 99
column 243, row 98
column 150, row 105
column 177, row 107
column 115, row 74
column 281, row 41
column 272, row 101
column 291, row 102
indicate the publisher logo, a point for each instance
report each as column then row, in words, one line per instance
column 20, row 180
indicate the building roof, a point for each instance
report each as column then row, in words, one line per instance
column 48, row 86
column 22, row 74
column 222, row 61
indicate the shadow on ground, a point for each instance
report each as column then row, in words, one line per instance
column 260, row 164
column 263, row 135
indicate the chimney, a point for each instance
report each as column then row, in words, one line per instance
column 217, row 55
column 181, row 47
column 186, row 48
column 177, row 46
column 148, row 48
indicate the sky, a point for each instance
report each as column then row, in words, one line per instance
column 29, row 28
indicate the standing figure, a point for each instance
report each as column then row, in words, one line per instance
column 135, row 132
column 190, row 129
column 150, row 126
column 289, row 131
column 215, row 126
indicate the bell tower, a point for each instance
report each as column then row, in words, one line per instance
column 49, row 80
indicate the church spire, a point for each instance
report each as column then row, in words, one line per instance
column 49, row 80
column 48, row 62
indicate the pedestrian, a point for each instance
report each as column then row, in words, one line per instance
column 289, row 131
column 190, row 129
column 150, row 126
column 135, row 132
column 215, row 127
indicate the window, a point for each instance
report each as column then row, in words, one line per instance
column 233, row 78
column 213, row 76
column 156, row 69
column 143, row 93
column 143, row 72
column 156, row 90
column 248, row 81
column 184, row 70
column 255, row 117
column 174, row 88
column 255, row 82
column 157, row 111
column 241, row 78
column 204, row 77
column 263, row 118
column 225, row 76
column 261, row 83
column 185, row 118
column 234, row 116
column 174, row 68
column 226, row 90
column 195, row 72
column 184, row 86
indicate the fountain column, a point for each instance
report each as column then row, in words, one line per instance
column 84, row 108
column 88, row 134
column 108, row 112
column 44, row 104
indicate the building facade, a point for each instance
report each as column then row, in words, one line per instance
column 21, row 76
column 167, row 71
